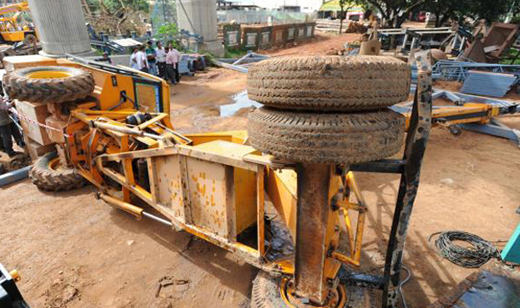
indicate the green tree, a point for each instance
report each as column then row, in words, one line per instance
column 490, row 10
column 113, row 6
column 344, row 5
column 167, row 33
column 394, row 12
column 169, row 30
column 446, row 9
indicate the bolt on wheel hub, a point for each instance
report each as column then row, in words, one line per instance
column 337, row 297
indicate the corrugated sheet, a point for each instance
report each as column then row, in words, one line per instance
column 488, row 83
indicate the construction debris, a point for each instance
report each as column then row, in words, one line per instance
column 458, row 71
column 488, row 83
column 494, row 45
column 356, row 27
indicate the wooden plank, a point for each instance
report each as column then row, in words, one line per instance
column 36, row 150
column 36, row 112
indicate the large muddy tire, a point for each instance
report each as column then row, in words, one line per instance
column 326, row 138
column 49, row 84
column 266, row 294
column 48, row 176
column 329, row 83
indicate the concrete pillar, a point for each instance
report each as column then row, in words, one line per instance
column 200, row 17
column 61, row 26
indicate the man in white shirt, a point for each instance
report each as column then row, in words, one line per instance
column 142, row 60
column 161, row 60
column 133, row 59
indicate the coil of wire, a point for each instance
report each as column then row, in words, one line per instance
column 476, row 253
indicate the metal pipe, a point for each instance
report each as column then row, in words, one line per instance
column 159, row 219
column 313, row 182
column 188, row 140
column 124, row 130
column 14, row 176
column 131, row 209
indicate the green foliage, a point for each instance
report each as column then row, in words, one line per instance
column 115, row 5
column 490, row 10
column 167, row 34
column 235, row 53
column 169, row 30
column 512, row 54
column 395, row 12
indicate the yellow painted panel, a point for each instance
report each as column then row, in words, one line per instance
column 208, row 195
column 238, row 136
column 225, row 148
column 245, row 198
column 281, row 189
column 146, row 96
column 15, row 36
column 111, row 95
column 169, row 184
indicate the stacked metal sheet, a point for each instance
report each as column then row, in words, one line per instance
column 488, row 83
column 456, row 70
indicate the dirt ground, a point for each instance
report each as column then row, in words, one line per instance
column 75, row 251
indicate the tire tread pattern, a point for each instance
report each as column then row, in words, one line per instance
column 331, row 83
column 47, row 179
column 326, row 138
column 53, row 90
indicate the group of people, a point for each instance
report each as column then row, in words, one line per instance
column 160, row 61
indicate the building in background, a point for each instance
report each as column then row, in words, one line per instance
column 297, row 6
column 332, row 10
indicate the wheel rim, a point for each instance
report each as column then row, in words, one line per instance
column 54, row 163
column 31, row 39
column 48, row 75
column 337, row 297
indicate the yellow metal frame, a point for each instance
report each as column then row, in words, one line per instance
column 467, row 113
column 105, row 149
column 355, row 238
column 279, row 187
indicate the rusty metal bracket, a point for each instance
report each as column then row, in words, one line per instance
column 409, row 168
column 416, row 140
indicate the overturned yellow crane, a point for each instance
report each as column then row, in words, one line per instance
column 288, row 179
